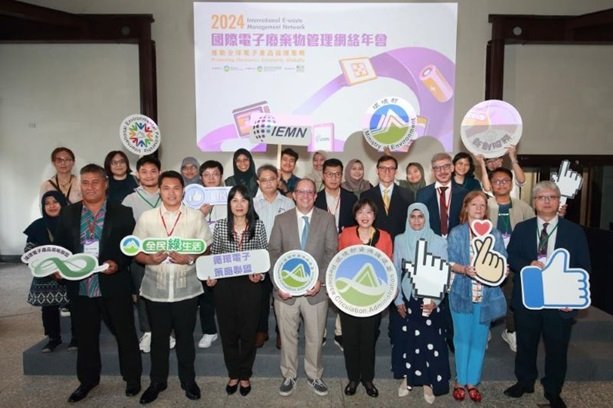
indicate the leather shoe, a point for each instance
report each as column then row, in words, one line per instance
column 351, row 388
column 231, row 389
column 152, row 392
column 371, row 390
column 555, row 401
column 244, row 391
column 517, row 390
column 192, row 391
column 81, row 392
column 260, row 339
column 132, row 390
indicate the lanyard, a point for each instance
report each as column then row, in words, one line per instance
column 538, row 233
column 147, row 201
column 168, row 234
column 91, row 225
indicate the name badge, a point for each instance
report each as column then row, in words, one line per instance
column 91, row 247
column 542, row 258
column 506, row 238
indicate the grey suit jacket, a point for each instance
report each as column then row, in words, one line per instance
column 322, row 244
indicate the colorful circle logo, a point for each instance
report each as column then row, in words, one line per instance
column 139, row 134
column 130, row 245
column 390, row 122
column 361, row 280
column 295, row 272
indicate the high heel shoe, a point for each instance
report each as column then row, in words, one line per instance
column 474, row 394
column 351, row 388
column 231, row 389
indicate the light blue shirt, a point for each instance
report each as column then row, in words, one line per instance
column 267, row 211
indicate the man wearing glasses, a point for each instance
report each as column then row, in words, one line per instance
column 392, row 201
column 505, row 212
column 311, row 230
column 532, row 243
column 443, row 198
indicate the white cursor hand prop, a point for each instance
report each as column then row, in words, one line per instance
column 568, row 181
column 429, row 274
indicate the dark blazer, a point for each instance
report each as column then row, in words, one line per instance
column 522, row 250
column 345, row 216
column 394, row 221
column 427, row 196
column 118, row 223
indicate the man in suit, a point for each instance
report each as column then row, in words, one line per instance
column 532, row 243
column 311, row 230
column 338, row 202
column 443, row 198
column 392, row 201
column 96, row 226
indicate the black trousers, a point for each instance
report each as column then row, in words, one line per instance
column 266, row 302
column 117, row 313
column 206, row 303
column 359, row 338
column 52, row 323
column 164, row 317
column 238, row 302
column 530, row 325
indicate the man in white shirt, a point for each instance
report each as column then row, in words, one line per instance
column 170, row 286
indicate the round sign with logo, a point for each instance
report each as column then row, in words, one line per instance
column 490, row 127
column 295, row 272
column 139, row 134
column 361, row 281
column 390, row 122
column 130, row 245
column 193, row 196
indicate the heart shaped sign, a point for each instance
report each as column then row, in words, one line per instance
column 481, row 227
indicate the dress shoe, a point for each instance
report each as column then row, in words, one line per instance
column 132, row 389
column 244, row 391
column 260, row 339
column 517, row 390
column 371, row 390
column 555, row 401
column 351, row 388
column 192, row 391
column 81, row 392
column 152, row 392
column 231, row 389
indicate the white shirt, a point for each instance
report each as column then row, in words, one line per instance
column 300, row 220
column 267, row 211
column 552, row 229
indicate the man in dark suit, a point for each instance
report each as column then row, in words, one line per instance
column 334, row 199
column 392, row 201
column 96, row 226
column 443, row 198
column 532, row 243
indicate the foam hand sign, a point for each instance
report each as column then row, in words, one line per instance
column 568, row 181
column 556, row 286
column 490, row 265
column 429, row 274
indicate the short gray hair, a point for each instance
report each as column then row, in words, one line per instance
column 545, row 185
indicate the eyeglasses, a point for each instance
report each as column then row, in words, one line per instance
column 546, row 198
column 118, row 162
column 211, row 175
column 304, row 192
column 442, row 167
column 332, row 175
column 501, row 182
column 389, row 169
column 62, row 160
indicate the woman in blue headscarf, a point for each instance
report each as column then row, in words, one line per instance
column 419, row 351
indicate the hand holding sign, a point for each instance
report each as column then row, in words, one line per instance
column 568, row 181
column 429, row 274
column 490, row 265
column 556, row 286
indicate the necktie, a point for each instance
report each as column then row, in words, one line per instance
column 442, row 208
column 543, row 240
column 304, row 237
column 386, row 199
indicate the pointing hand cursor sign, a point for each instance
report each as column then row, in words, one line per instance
column 429, row 274
column 568, row 181
column 490, row 265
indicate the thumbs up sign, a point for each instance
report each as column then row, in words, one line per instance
column 568, row 181
column 556, row 285
column 429, row 274
column 490, row 265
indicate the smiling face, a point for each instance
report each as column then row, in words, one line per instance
column 52, row 207
column 332, row 176
column 476, row 208
column 242, row 162
column 494, row 163
column 119, row 167
column 357, row 171
column 268, row 182
column 239, row 205
column 93, row 187
column 417, row 220
column 461, row 167
column 442, row 170
column 318, row 161
column 304, row 196
column 413, row 174
column 288, row 163
column 148, row 175
column 501, row 184
column 386, row 171
column 365, row 216
column 171, row 193
column 189, row 171
column 63, row 162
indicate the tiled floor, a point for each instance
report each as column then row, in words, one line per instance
column 20, row 327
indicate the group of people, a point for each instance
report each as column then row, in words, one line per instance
column 275, row 210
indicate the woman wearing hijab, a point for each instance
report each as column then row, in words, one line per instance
column 244, row 172
column 415, row 178
column 119, row 173
column 47, row 292
column 419, row 351
column 64, row 181
column 354, row 178
column 319, row 157
column 189, row 171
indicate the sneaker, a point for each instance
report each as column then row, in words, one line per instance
column 172, row 343
column 207, row 340
column 511, row 339
column 144, row 343
column 287, row 387
column 338, row 340
column 64, row 312
column 319, row 386
column 72, row 346
column 51, row 345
